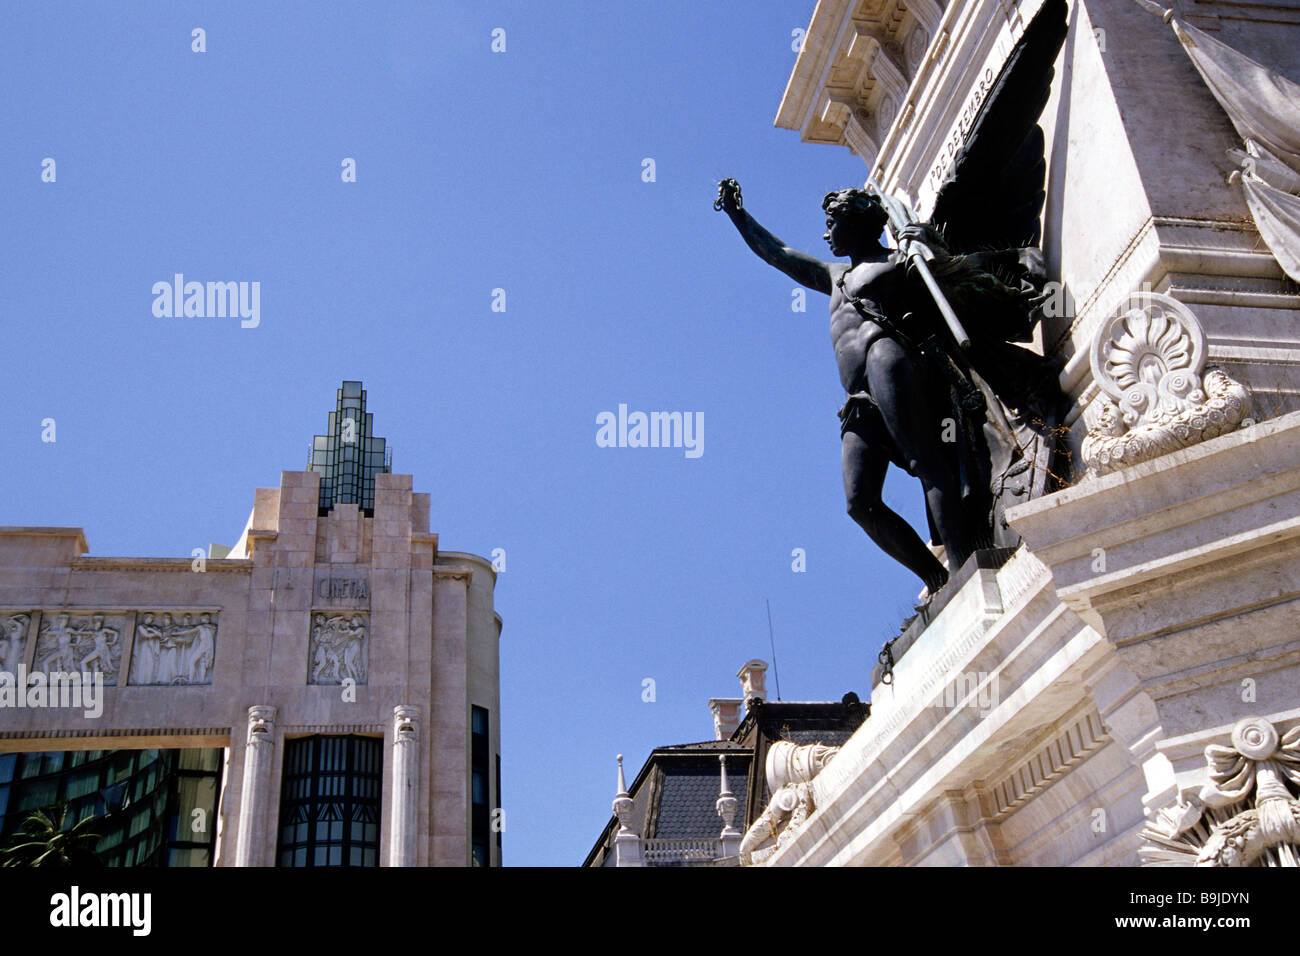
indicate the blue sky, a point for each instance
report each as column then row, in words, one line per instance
column 476, row 170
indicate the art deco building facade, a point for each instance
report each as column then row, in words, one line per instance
column 343, row 667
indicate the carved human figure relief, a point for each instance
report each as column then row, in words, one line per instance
column 167, row 651
column 337, row 650
column 1148, row 360
column 81, row 644
column 1248, row 814
column 13, row 641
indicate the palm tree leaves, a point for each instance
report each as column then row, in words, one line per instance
column 45, row 839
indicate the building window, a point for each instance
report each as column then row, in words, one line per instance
column 480, row 808
column 500, row 824
column 153, row 807
column 193, row 808
column 329, row 809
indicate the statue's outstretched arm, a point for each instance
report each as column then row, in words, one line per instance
column 799, row 266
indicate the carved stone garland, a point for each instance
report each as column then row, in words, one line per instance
column 1148, row 360
column 1247, row 815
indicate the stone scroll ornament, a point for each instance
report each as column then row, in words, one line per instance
column 1148, row 360
column 790, row 772
column 1248, row 814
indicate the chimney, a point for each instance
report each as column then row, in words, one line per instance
column 726, row 716
column 753, row 680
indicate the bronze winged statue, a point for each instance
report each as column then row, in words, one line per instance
column 950, row 409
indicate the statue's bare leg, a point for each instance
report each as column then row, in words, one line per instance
column 864, row 465
column 915, row 410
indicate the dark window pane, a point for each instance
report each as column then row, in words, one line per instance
column 335, row 782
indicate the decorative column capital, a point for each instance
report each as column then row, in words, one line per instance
column 261, row 723
column 406, row 722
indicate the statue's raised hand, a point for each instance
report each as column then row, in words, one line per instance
column 728, row 200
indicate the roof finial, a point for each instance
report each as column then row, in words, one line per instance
column 1150, row 6
column 726, row 802
column 622, row 801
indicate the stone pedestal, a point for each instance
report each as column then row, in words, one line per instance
column 1189, row 565
column 627, row 850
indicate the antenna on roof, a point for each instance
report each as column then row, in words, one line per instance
column 772, row 640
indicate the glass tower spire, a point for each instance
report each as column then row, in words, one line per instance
column 348, row 455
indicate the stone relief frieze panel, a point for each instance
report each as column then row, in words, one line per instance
column 173, row 648
column 81, row 643
column 13, row 640
column 1248, row 814
column 339, row 648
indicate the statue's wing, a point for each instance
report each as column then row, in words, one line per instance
column 992, row 197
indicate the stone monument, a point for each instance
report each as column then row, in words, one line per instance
column 1123, row 689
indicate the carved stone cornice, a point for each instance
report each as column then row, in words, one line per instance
column 1076, row 743
column 850, row 83
column 44, row 531
column 1205, row 261
column 105, row 738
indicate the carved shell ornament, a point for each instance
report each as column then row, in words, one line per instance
column 1151, row 360
column 1246, row 815
column 1148, row 359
